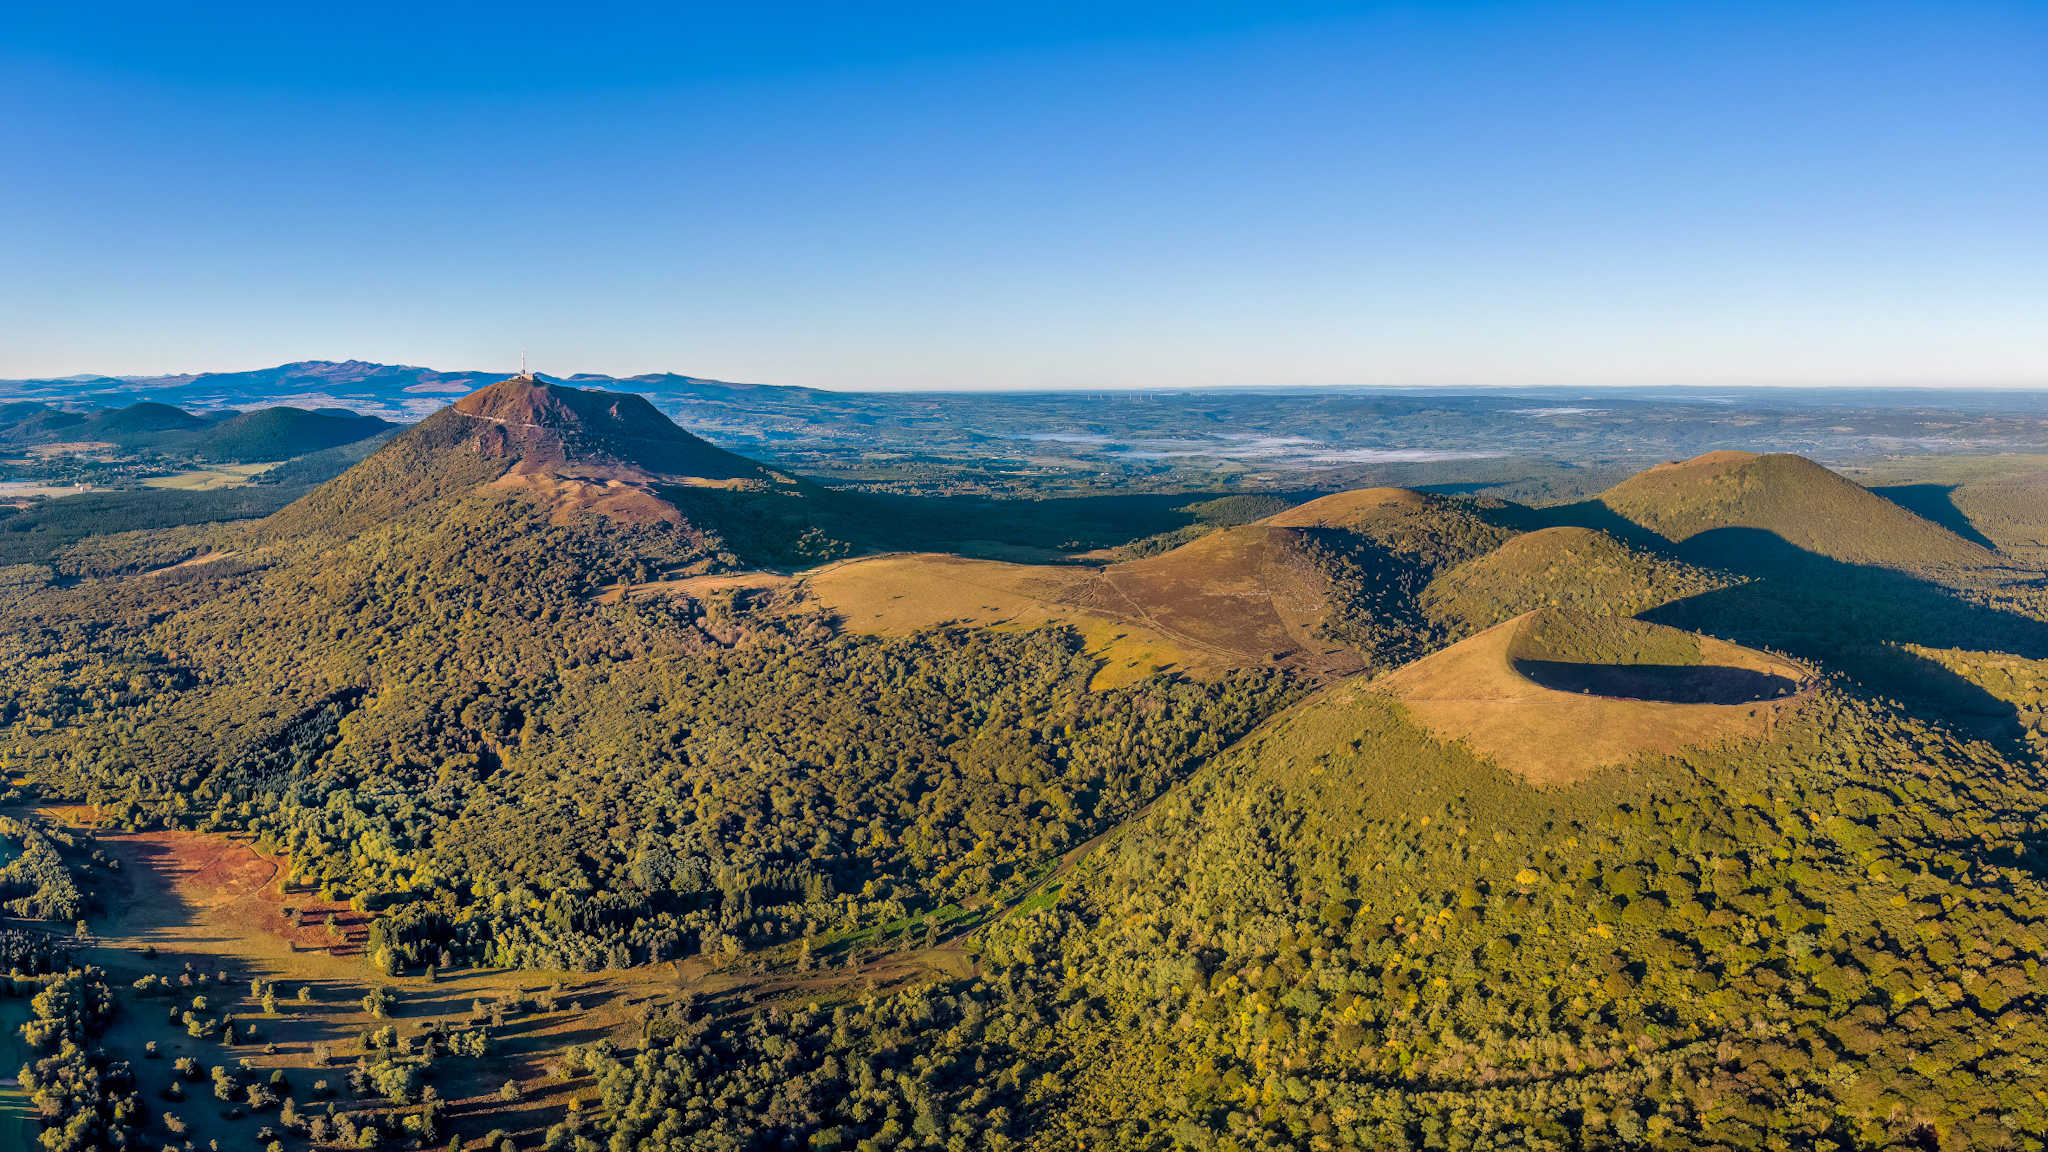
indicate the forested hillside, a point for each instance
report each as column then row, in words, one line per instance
column 273, row 433
column 1377, row 940
column 1452, row 823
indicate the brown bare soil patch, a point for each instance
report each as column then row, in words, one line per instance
column 622, row 500
column 1245, row 595
column 199, row 561
column 1475, row 691
column 190, row 886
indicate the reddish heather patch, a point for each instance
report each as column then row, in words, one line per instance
column 229, row 877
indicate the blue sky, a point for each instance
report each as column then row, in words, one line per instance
column 1050, row 195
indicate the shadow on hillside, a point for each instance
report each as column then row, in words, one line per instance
column 1851, row 617
column 1935, row 502
column 144, row 903
column 1584, row 514
column 780, row 530
column 1664, row 683
column 1063, row 524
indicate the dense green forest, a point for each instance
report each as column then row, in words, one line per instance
column 1259, row 907
column 39, row 532
column 1833, row 938
column 659, row 778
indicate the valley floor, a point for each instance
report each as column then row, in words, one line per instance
column 209, row 903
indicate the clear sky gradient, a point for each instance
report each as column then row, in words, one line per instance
column 1053, row 194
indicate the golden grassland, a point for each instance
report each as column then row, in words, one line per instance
column 209, row 478
column 1236, row 598
column 1473, row 692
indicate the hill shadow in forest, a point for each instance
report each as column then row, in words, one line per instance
column 1853, row 618
column 1584, row 514
column 1936, row 503
column 772, row 530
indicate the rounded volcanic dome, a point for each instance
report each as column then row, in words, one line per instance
column 1562, row 635
column 1345, row 508
column 1719, row 458
column 1246, row 590
column 1546, row 546
column 1555, row 694
column 1728, row 508
column 544, row 424
column 576, row 450
column 536, row 403
column 1567, row 567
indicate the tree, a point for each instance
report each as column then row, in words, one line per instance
column 380, row 1002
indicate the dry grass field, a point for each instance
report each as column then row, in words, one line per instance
column 1235, row 598
column 1244, row 595
column 1475, row 692
column 210, row 478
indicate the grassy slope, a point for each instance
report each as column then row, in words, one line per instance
column 897, row 595
column 1298, row 832
column 2008, row 512
column 1475, row 692
column 1561, row 634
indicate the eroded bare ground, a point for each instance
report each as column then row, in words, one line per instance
column 1243, row 597
column 209, row 905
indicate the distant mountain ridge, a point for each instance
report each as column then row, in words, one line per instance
column 401, row 392
column 1542, row 445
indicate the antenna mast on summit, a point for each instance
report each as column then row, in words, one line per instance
column 523, row 373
